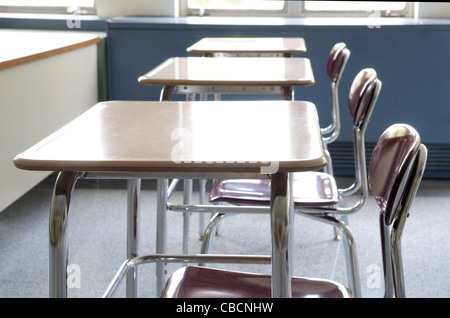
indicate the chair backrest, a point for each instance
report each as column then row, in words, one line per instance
column 389, row 165
column 337, row 60
column 395, row 171
column 362, row 97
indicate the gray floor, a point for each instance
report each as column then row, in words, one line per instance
column 97, row 242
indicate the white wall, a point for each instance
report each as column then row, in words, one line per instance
column 36, row 99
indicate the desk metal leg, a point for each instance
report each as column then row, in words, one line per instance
column 166, row 93
column 288, row 93
column 201, row 199
column 187, row 200
column 161, row 232
column 134, row 201
column 58, row 232
column 282, row 222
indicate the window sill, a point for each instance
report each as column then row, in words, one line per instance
column 281, row 21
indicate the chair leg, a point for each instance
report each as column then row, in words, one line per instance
column 385, row 233
column 329, row 169
column 349, row 250
column 210, row 231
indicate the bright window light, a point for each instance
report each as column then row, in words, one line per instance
column 49, row 3
column 354, row 5
column 235, row 4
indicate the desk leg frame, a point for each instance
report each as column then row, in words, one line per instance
column 134, row 201
column 282, row 222
column 59, row 236
column 161, row 232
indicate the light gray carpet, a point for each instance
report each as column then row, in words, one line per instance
column 98, row 242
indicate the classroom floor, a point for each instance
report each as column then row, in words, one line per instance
column 98, row 242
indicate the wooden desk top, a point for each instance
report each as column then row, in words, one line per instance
column 289, row 45
column 22, row 46
column 233, row 71
column 136, row 136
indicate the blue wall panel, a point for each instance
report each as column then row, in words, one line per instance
column 412, row 61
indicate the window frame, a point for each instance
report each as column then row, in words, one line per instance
column 296, row 9
column 405, row 13
column 185, row 11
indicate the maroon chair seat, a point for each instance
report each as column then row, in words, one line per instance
column 204, row 282
column 257, row 191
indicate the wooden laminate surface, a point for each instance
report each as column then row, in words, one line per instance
column 233, row 71
column 274, row 45
column 183, row 137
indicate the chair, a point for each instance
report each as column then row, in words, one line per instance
column 337, row 60
column 316, row 194
column 395, row 172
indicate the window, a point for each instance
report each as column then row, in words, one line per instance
column 233, row 7
column 357, row 8
column 295, row 8
column 48, row 6
column 236, row 4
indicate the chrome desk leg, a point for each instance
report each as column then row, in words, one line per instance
column 187, row 199
column 288, row 93
column 59, row 236
column 281, row 212
column 202, row 183
column 161, row 233
column 166, row 93
column 134, row 201
column 201, row 199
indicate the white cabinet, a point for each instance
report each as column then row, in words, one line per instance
column 47, row 78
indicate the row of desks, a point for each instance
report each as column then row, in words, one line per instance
column 165, row 139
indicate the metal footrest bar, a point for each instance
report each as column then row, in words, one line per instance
column 210, row 208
